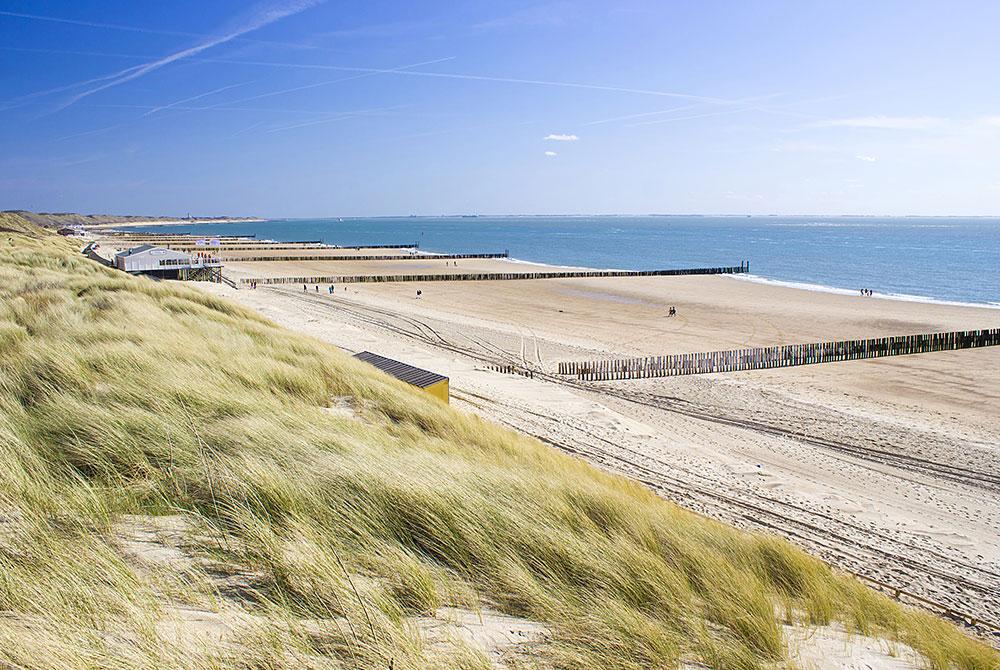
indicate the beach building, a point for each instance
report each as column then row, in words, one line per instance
column 430, row 382
column 169, row 264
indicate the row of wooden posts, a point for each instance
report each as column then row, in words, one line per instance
column 190, row 246
column 494, row 276
column 510, row 369
column 177, row 237
column 361, row 257
column 761, row 358
column 415, row 245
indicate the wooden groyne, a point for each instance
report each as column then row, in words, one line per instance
column 186, row 246
column 493, row 276
column 762, row 358
column 362, row 257
column 415, row 245
column 175, row 236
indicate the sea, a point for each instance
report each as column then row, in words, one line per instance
column 928, row 259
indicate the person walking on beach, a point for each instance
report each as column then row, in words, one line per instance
column 305, row 288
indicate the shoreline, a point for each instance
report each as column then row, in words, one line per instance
column 836, row 290
column 988, row 302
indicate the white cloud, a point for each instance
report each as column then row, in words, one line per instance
column 559, row 137
column 551, row 153
column 885, row 122
column 867, row 159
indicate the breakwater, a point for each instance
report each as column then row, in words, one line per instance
column 362, row 257
column 494, row 276
column 763, row 358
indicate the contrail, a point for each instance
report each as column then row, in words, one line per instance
column 722, row 112
column 154, row 110
column 475, row 77
column 335, row 81
column 337, row 117
column 682, row 108
column 404, row 72
column 156, row 31
column 260, row 20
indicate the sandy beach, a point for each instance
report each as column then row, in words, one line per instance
column 885, row 468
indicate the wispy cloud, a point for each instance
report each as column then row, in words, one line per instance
column 885, row 122
column 867, row 159
column 559, row 137
column 263, row 16
column 551, row 153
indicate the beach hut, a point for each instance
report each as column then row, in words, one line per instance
column 168, row 263
column 430, row 382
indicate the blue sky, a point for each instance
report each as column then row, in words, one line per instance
column 344, row 108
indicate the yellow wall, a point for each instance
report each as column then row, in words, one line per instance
column 439, row 390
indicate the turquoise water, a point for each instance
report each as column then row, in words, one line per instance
column 946, row 259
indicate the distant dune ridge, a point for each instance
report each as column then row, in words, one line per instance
column 60, row 219
column 185, row 484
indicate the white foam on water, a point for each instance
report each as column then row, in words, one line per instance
column 577, row 268
column 904, row 297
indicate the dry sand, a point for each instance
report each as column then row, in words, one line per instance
column 425, row 265
column 887, row 468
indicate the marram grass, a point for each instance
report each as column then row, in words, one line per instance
column 120, row 395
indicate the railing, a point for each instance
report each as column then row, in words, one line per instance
column 762, row 358
column 227, row 281
column 493, row 276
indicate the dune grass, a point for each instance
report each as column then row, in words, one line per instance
column 119, row 395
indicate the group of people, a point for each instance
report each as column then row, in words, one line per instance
column 253, row 285
column 305, row 288
column 866, row 291
column 673, row 311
